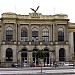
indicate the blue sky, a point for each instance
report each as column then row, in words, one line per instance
column 47, row 7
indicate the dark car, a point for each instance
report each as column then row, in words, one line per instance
column 32, row 65
column 15, row 65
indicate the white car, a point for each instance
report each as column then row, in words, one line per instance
column 68, row 64
column 71, row 64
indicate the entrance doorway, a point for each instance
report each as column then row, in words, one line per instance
column 24, row 55
column 35, row 59
column 46, row 59
column 62, row 54
column 9, row 54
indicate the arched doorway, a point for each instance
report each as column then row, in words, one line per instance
column 35, row 59
column 24, row 55
column 62, row 54
column 46, row 59
column 9, row 54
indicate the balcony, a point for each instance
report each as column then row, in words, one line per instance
column 46, row 42
column 24, row 42
column 35, row 42
column 61, row 42
column 8, row 42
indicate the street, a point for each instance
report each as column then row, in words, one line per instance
column 37, row 71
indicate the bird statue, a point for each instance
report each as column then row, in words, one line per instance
column 34, row 9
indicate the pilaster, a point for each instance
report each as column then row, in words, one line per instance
column 30, row 33
column 29, row 57
column 40, row 32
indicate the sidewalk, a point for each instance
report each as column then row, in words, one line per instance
column 37, row 68
column 37, row 71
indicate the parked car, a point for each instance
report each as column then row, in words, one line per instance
column 71, row 64
column 15, row 65
column 25, row 65
column 32, row 65
column 68, row 64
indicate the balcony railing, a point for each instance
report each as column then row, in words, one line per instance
column 35, row 42
column 7, row 42
column 24, row 42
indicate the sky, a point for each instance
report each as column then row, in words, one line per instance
column 47, row 7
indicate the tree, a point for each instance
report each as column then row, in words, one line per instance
column 40, row 55
column 73, row 56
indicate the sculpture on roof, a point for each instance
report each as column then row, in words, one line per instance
column 34, row 9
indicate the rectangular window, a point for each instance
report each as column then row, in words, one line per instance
column 9, row 38
column 24, row 39
column 45, row 38
column 35, row 33
column 34, row 39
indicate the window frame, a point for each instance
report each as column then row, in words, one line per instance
column 9, row 33
column 45, row 34
column 35, row 34
column 60, row 34
column 24, row 34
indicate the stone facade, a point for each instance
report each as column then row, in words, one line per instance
column 57, row 49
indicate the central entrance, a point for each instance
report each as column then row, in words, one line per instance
column 24, row 55
column 35, row 59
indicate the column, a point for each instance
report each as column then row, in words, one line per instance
column 18, row 32
column 14, row 31
column 29, row 33
column 30, row 58
column 71, row 44
column 40, row 32
column 49, row 58
column 57, row 53
column 66, row 33
column 56, row 33
column 3, row 32
column 53, row 32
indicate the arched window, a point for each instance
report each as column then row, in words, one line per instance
column 45, row 35
column 62, row 54
column 60, row 34
column 9, row 33
column 24, row 34
column 34, row 34
column 9, row 54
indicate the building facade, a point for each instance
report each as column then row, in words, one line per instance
column 23, row 35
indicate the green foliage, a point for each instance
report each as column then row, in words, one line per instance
column 73, row 56
column 40, row 54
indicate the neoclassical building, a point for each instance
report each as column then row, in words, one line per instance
column 22, row 35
